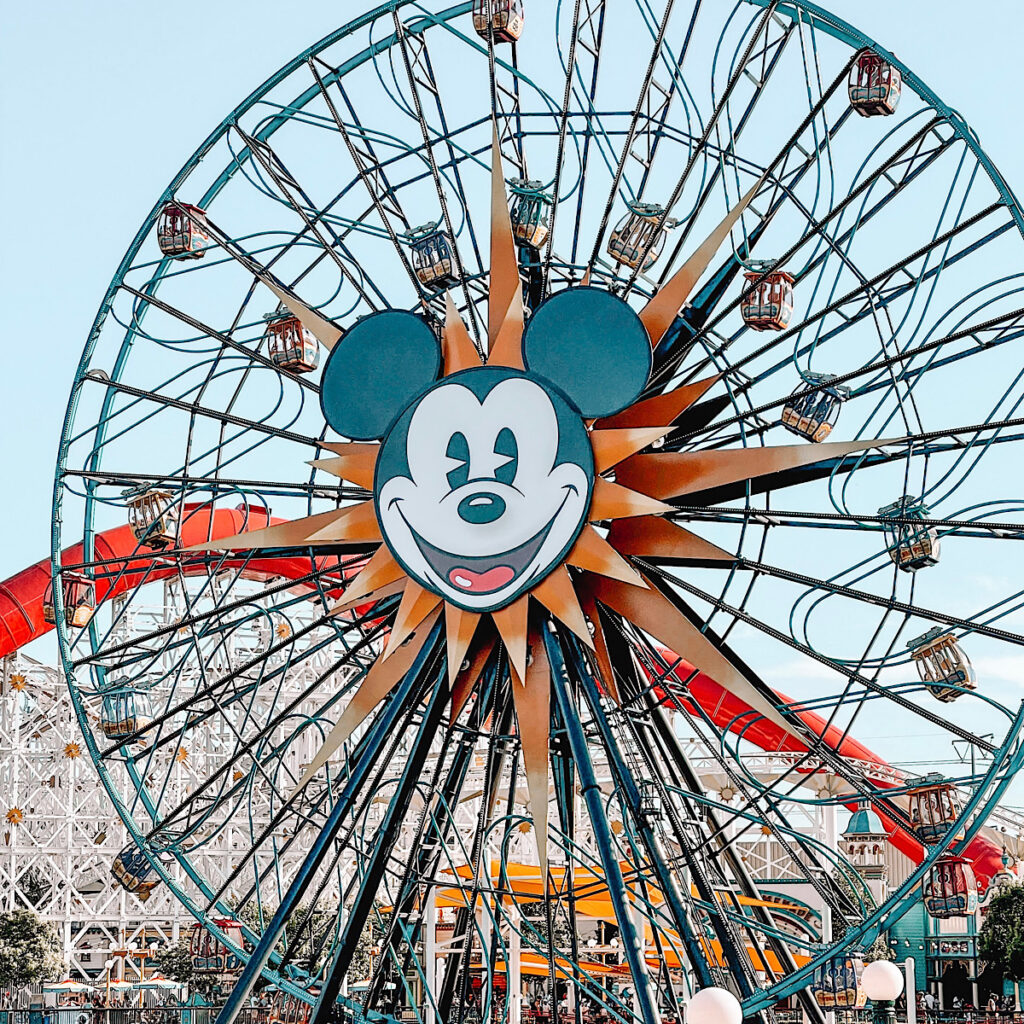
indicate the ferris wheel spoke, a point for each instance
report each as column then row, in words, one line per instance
column 796, row 727
column 587, row 37
column 422, row 70
column 430, row 838
column 413, row 66
column 895, row 174
column 300, row 202
column 381, row 193
column 877, row 292
column 770, row 517
column 303, row 808
column 250, row 353
column 786, row 177
column 990, row 334
column 678, row 769
column 194, row 618
column 642, row 103
column 210, row 690
column 224, row 418
column 215, row 485
column 387, row 833
column 750, row 54
column 410, row 688
column 967, row 625
column 595, row 8
column 840, row 668
column 665, row 878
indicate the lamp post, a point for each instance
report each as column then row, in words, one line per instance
column 107, row 968
column 882, row 983
column 714, row 1006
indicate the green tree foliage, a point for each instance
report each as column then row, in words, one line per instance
column 29, row 950
column 1001, row 941
column 176, row 963
column 370, row 940
column 880, row 949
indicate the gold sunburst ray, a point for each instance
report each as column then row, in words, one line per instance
column 533, row 715
column 602, row 580
column 505, row 312
column 416, row 604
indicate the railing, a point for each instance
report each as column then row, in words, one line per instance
column 865, row 1016
column 134, row 1015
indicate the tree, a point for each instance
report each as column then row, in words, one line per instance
column 880, row 949
column 1001, row 940
column 29, row 950
column 176, row 963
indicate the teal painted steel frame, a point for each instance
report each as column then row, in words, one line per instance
column 796, row 9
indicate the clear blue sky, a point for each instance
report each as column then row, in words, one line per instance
column 102, row 103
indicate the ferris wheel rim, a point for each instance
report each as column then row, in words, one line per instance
column 953, row 119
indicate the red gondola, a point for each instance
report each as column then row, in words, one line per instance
column 934, row 807
column 180, row 232
column 767, row 305
column 291, row 346
column 210, row 955
column 875, row 85
column 951, row 889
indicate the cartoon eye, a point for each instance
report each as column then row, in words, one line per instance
column 507, row 446
column 458, row 451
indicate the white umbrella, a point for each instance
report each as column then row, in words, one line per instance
column 120, row 986
column 68, row 985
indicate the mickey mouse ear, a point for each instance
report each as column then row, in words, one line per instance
column 592, row 345
column 375, row 370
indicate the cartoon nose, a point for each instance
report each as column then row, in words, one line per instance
column 482, row 507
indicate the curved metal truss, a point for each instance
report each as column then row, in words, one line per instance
column 900, row 243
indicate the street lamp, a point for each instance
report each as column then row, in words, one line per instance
column 714, row 1006
column 882, row 983
column 107, row 968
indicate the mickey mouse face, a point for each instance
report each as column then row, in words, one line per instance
column 483, row 485
column 484, row 478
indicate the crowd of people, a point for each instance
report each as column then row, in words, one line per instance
column 996, row 1006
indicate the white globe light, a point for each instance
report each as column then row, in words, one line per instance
column 882, row 981
column 714, row 1006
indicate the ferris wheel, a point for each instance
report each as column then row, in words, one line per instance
column 523, row 448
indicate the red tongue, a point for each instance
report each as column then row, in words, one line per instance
column 481, row 582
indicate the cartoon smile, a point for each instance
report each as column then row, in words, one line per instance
column 483, row 485
column 484, row 574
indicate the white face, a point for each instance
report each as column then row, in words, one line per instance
column 485, row 511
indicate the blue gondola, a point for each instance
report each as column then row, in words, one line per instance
column 911, row 543
column 125, row 711
column 813, row 414
column 529, row 212
column 433, row 255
